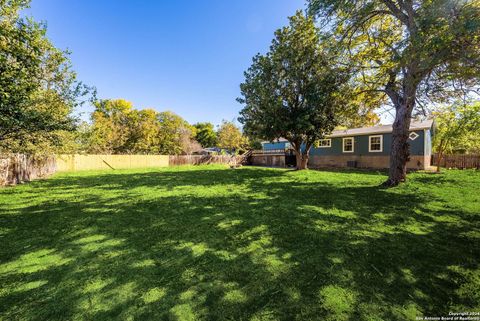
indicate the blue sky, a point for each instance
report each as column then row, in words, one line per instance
column 183, row 56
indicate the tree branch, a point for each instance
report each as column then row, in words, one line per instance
column 397, row 12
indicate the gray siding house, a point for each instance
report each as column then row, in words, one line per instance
column 367, row 147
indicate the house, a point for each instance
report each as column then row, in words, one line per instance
column 367, row 147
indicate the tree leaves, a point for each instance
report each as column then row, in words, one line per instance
column 457, row 128
column 205, row 134
column 293, row 90
column 118, row 128
column 38, row 88
column 231, row 138
column 436, row 42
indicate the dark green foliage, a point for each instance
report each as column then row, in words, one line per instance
column 205, row 134
column 210, row 243
column 38, row 89
column 293, row 91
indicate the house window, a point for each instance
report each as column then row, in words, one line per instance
column 375, row 143
column 324, row 143
column 413, row 135
column 348, row 145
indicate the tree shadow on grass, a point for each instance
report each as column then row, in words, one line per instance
column 219, row 244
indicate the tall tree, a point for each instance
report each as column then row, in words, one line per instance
column 118, row 128
column 457, row 127
column 205, row 134
column 175, row 134
column 111, row 121
column 413, row 52
column 294, row 90
column 143, row 132
column 231, row 138
column 38, row 89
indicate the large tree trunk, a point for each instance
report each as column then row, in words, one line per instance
column 400, row 149
column 302, row 160
column 301, row 157
column 399, row 154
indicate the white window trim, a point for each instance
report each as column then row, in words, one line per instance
column 343, row 145
column 329, row 143
column 370, row 144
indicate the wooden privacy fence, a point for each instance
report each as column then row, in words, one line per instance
column 101, row 162
column 71, row 163
column 175, row 160
column 19, row 168
column 457, row 161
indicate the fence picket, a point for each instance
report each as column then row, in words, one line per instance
column 462, row 161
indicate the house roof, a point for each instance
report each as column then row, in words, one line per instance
column 414, row 125
column 379, row 129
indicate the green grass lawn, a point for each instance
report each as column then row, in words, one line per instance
column 213, row 243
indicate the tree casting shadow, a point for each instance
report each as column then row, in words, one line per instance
column 220, row 244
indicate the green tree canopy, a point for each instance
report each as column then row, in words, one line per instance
column 172, row 132
column 231, row 138
column 38, row 88
column 205, row 134
column 457, row 129
column 118, row 128
column 111, row 126
column 144, row 129
column 294, row 91
column 414, row 53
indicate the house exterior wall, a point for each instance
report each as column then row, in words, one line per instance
column 276, row 145
column 365, row 161
column 335, row 157
column 420, row 152
column 361, row 146
column 417, row 146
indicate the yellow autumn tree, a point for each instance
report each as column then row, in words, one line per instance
column 231, row 138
